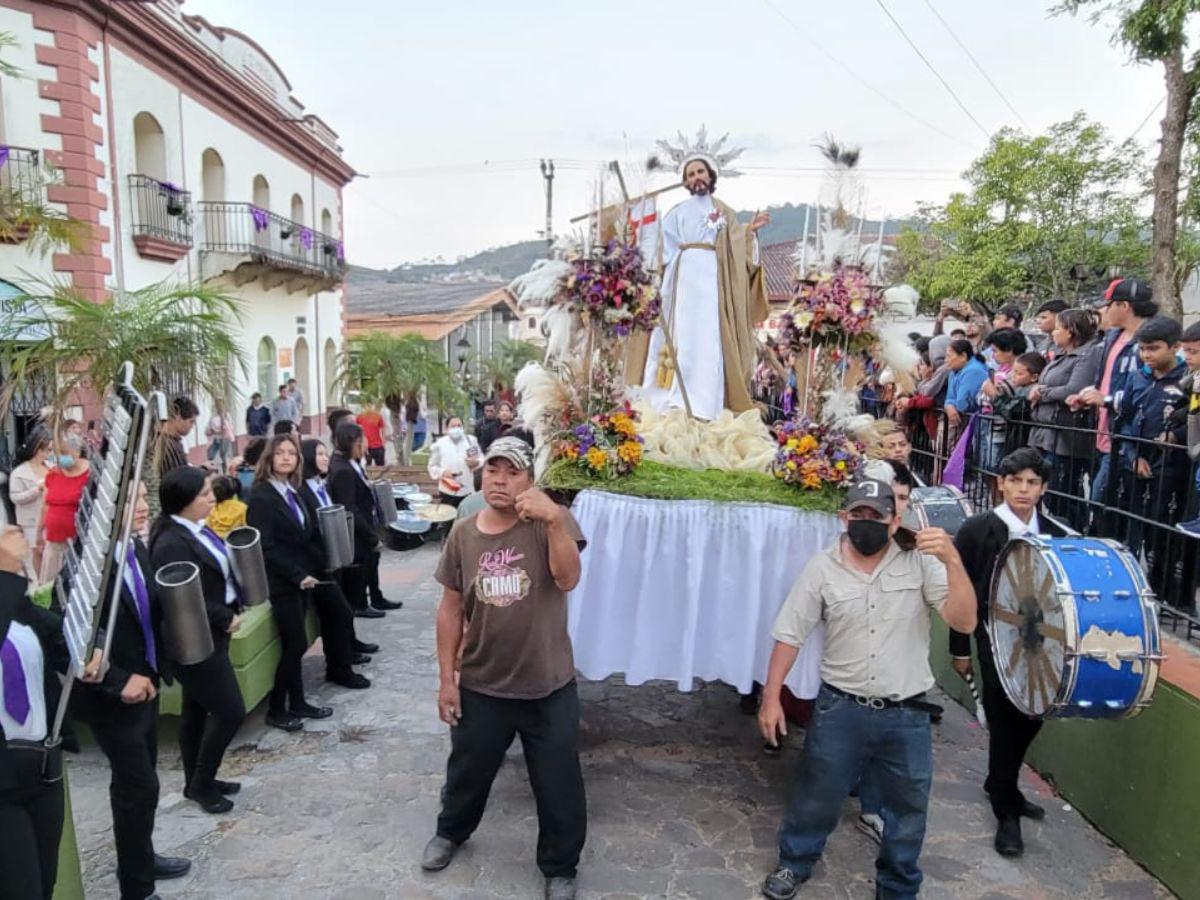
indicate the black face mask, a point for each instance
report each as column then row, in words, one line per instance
column 867, row 536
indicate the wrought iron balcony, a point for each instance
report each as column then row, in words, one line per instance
column 161, row 216
column 249, row 243
column 20, row 188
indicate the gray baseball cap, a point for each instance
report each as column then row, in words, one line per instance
column 515, row 450
column 876, row 495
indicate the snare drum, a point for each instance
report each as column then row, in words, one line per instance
column 1074, row 628
column 937, row 506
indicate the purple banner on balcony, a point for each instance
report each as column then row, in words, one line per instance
column 306, row 238
column 4, row 151
column 341, row 251
column 260, row 218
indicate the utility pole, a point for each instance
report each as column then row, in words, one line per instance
column 548, row 174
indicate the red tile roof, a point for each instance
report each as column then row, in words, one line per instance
column 779, row 269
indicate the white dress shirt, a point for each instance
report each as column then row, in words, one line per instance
column 1017, row 528
column 197, row 529
column 317, row 486
column 283, row 487
column 30, row 648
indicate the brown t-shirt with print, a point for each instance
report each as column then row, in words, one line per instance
column 516, row 645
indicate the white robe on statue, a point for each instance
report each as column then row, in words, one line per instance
column 696, row 326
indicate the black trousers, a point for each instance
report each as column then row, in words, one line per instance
column 288, row 611
column 549, row 730
column 353, row 580
column 212, row 711
column 127, row 733
column 31, row 822
column 1010, row 732
column 337, row 627
column 376, row 454
column 373, row 576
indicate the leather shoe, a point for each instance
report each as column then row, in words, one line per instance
column 560, row 889
column 308, row 711
column 1008, row 837
column 368, row 613
column 386, row 604
column 285, row 721
column 438, row 853
column 211, row 802
column 1032, row 811
column 359, row 659
column 365, row 647
column 351, row 680
column 170, row 867
column 226, row 788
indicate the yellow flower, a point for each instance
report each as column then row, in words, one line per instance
column 807, row 444
column 791, row 464
column 630, row 452
column 793, row 443
column 811, row 481
column 597, row 458
column 839, row 466
column 570, row 451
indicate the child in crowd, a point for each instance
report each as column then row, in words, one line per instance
column 1005, row 346
column 1156, row 471
column 1010, row 404
column 230, row 512
column 1189, row 349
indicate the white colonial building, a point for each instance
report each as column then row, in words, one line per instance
column 181, row 144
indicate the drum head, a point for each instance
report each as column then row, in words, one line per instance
column 1026, row 621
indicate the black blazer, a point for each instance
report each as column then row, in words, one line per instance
column 345, row 486
column 174, row 543
column 16, row 607
column 979, row 542
column 291, row 552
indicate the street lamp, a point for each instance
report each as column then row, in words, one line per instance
column 463, row 346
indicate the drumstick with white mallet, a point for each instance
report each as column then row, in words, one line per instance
column 980, row 717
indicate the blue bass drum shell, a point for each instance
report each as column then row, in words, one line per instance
column 1074, row 628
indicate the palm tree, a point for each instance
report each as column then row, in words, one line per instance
column 395, row 370
column 176, row 336
column 508, row 357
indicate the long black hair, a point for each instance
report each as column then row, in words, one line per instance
column 963, row 347
column 176, row 491
column 345, row 437
column 308, row 453
column 37, row 439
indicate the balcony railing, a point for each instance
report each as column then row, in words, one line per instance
column 243, row 229
column 161, row 211
column 20, row 181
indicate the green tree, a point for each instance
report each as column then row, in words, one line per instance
column 396, row 370
column 508, row 357
column 1157, row 31
column 1047, row 216
column 175, row 336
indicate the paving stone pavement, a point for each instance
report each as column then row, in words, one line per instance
column 682, row 802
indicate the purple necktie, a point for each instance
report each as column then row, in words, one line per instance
column 16, row 693
column 294, row 503
column 219, row 543
column 142, row 598
column 325, row 501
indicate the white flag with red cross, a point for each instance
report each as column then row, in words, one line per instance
column 645, row 230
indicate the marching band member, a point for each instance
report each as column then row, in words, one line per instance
column 347, row 486
column 212, row 701
column 1023, row 478
column 122, row 711
column 31, row 811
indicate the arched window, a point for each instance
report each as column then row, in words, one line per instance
column 327, row 223
column 297, row 209
column 331, row 373
column 268, row 374
column 150, row 147
column 262, row 193
column 212, row 169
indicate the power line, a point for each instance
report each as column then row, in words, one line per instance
column 978, row 66
column 870, row 87
column 1157, row 107
column 936, row 73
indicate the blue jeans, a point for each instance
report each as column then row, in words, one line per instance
column 843, row 743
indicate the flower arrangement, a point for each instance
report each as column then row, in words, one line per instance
column 811, row 455
column 837, row 309
column 606, row 445
column 611, row 289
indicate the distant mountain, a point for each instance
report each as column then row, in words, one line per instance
column 506, row 263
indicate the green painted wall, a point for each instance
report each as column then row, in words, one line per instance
column 70, row 880
column 1136, row 780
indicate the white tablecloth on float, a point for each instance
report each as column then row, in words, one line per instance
column 686, row 589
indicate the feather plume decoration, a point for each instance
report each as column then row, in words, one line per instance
column 539, row 287
column 899, row 355
column 879, row 470
column 840, row 407
column 546, row 399
column 901, row 300
column 558, row 324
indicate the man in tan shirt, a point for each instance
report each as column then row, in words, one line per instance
column 870, row 715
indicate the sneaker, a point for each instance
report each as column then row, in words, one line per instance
column 1192, row 527
column 560, row 889
column 871, row 825
column 781, row 884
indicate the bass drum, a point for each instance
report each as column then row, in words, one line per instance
column 937, row 506
column 1074, row 628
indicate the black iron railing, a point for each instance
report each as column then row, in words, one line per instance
column 20, row 181
column 1100, row 493
column 161, row 210
column 245, row 229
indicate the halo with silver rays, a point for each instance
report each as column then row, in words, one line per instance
column 714, row 154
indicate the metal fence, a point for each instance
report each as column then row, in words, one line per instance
column 1099, row 492
column 20, row 181
column 244, row 229
column 161, row 210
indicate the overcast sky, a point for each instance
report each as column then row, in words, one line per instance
column 424, row 93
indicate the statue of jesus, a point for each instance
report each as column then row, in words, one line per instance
column 713, row 296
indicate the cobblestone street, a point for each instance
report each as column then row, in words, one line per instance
column 683, row 803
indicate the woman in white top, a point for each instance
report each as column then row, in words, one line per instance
column 453, row 460
column 27, row 486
